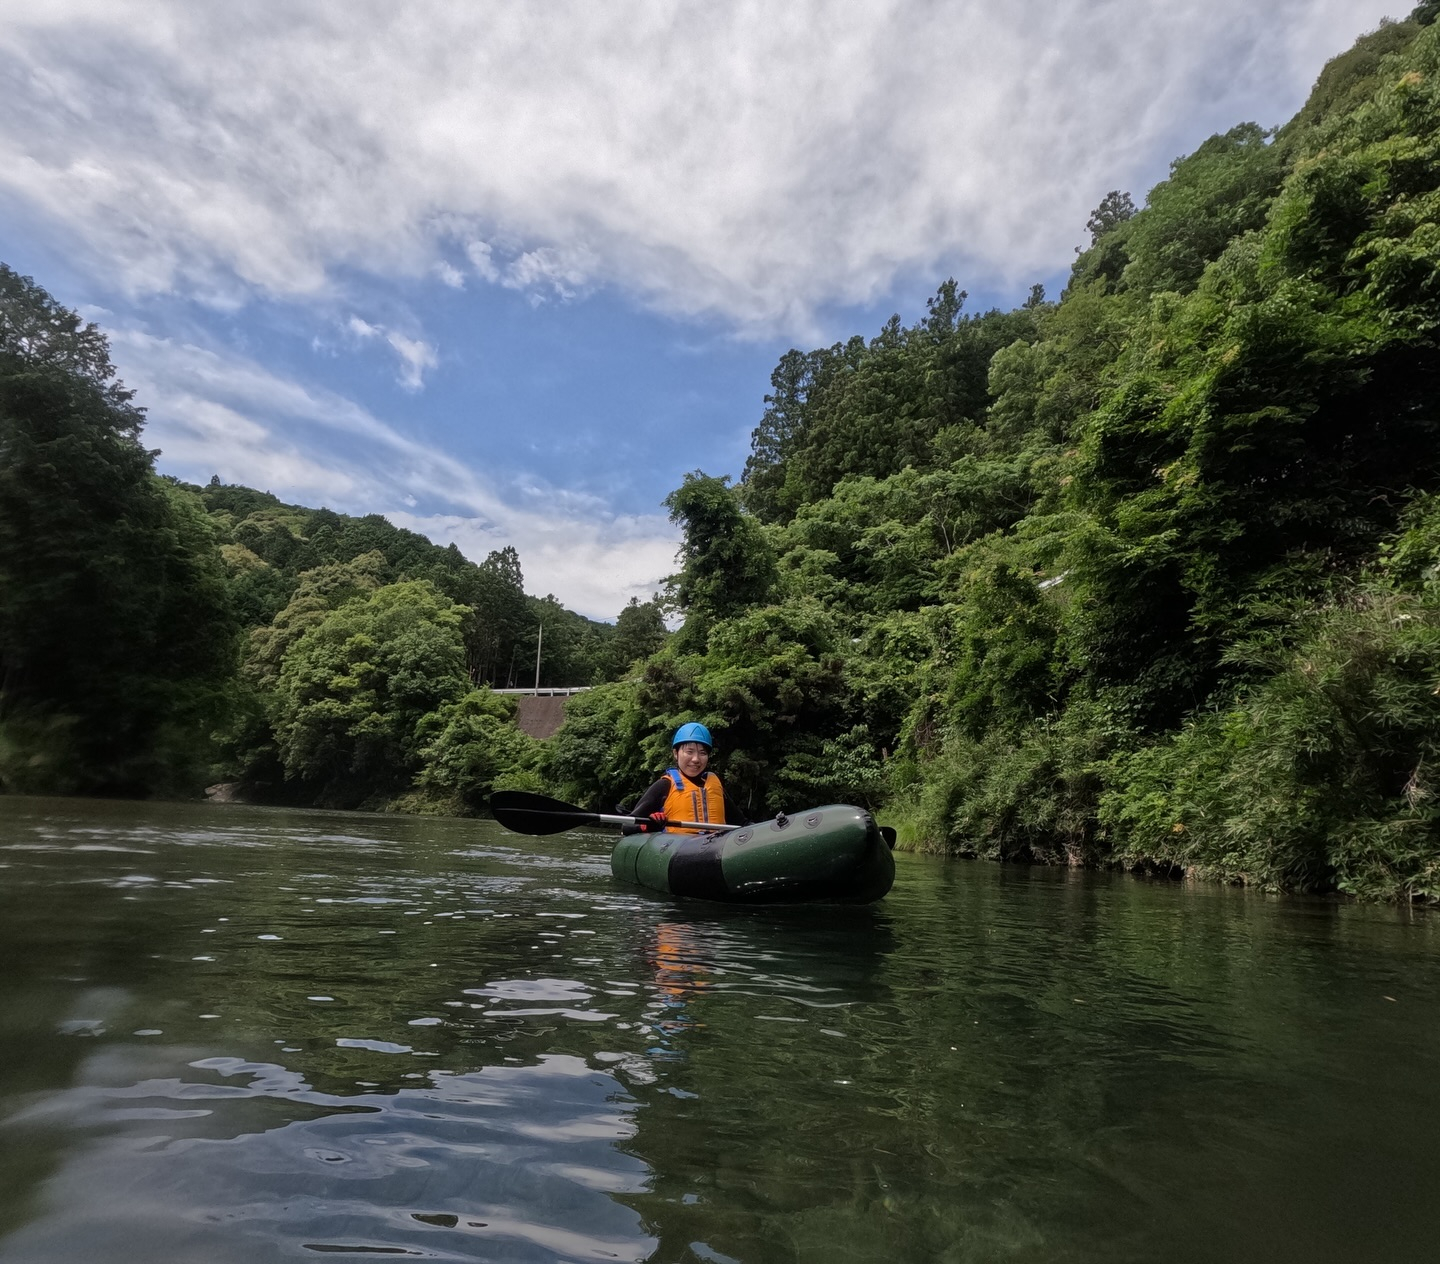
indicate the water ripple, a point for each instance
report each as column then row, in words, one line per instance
column 467, row 1167
column 208, row 1052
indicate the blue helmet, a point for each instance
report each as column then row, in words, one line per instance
column 691, row 732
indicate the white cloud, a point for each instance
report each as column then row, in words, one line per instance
column 564, row 272
column 753, row 161
column 214, row 412
column 593, row 567
column 747, row 159
column 416, row 355
column 482, row 257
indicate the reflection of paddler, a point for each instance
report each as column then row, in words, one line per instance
column 676, row 969
column 679, row 971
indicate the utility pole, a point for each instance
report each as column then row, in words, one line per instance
column 539, row 641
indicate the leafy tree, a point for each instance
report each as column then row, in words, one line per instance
column 1220, row 192
column 318, row 592
column 1001, row 638
column 289, row 540
column 1267, row 426
column 1114, row 209
column 1107, row 256
column 802, row 385
column 501, row 620
column 726, row 563
column 908, row 398
column 352, row 688
column 121, row 596
column 116, row 632
column 471, row 747
column 639, row 632
column 574, row 650
column 609, row 748
column 1325, row 776
column 43, row 335
column 1350, row 79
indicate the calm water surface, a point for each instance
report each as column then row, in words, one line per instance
column 243, row 1034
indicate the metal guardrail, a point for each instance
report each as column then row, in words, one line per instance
column 547, row 691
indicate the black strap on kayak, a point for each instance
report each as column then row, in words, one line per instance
column 695, row 868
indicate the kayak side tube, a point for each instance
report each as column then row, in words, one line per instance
column 831, row 853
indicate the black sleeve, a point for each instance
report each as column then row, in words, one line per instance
column 731, row 818
column 653, row 800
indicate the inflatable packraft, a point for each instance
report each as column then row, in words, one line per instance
column 833, row 853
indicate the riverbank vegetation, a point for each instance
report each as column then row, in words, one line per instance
column 1148, row 575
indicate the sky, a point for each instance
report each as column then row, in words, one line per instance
column 505, row 271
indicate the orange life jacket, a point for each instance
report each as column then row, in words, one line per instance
column 689, row 802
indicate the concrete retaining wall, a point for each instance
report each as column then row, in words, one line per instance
column 540, row 717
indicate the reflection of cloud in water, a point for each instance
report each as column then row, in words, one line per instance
column 533, row 990
column 579, row 1015
column 566, row 996
column 375, row 1046
column 505, row 1163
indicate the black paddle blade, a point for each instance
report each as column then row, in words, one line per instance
column 536, row 814
column 887, row 832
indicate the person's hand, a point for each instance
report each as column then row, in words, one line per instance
column 656, row 824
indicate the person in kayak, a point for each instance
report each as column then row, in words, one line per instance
column 687, row 792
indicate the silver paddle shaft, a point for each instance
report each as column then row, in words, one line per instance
column 708, row 827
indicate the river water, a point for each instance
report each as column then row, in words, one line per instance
column 242, row 1034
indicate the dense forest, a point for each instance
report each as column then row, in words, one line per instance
column 1146, row 576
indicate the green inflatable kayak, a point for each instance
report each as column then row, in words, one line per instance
column 834, row 853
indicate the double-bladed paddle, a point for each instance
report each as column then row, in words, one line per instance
column 536, row 814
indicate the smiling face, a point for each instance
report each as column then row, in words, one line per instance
column 692, row 758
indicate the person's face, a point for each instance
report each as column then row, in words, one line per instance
column 692, row 758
